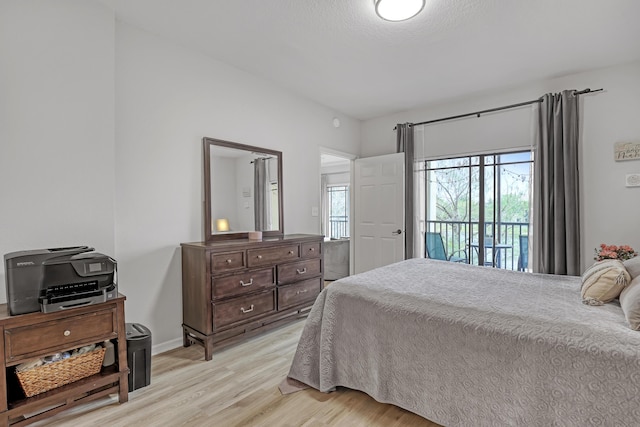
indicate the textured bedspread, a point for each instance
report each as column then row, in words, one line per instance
column 474, row 346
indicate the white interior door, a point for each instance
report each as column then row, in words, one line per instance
column 379, row 211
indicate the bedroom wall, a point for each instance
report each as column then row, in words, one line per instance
column 608, row 208
column 167, row 99
column 100, row 144
column 56, row 126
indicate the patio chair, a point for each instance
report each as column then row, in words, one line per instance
column 523, row 258
column 436, row 250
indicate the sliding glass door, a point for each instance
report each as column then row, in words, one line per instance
column 480, row 207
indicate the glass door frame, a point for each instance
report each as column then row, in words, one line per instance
column 483, row 162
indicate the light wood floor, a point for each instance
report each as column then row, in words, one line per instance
column 239, row 387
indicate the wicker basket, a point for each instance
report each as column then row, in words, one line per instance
column 53, row 375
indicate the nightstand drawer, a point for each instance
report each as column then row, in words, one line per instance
column 266, row 256
column 243, row 308
column 298, row 270
column 299, row 293
column 227, row 261
column 242, row 283
column 63, row 334
column 310, row 250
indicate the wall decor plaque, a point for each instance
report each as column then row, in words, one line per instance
column 627, row 151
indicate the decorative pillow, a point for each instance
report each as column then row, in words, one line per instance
column 630, row 303
column 603, row 282
column 633, row 267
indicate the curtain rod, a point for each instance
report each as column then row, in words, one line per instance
column 490, row 110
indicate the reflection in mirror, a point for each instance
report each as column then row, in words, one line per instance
column 244, row 190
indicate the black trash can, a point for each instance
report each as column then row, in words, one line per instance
column 138, row 355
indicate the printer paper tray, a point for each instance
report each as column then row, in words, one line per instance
column 64, row 302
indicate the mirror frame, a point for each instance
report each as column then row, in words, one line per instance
column 209, row 236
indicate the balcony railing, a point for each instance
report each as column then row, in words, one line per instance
column 460, row 235
column 338, row 226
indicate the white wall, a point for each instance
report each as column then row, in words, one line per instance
column 167, row 99
column 101, row 127
column 56, row 126
column 609, row 209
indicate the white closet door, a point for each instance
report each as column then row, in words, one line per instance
column 379, row 211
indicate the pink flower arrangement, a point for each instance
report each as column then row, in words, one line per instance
column 614, row 252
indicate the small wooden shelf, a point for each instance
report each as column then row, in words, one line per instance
column 106, row 376
column 16, row 410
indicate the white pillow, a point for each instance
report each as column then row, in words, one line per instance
column 633, row 267
column 630, row 303
column 603, row 282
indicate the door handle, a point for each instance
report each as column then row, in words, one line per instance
column 398, row 231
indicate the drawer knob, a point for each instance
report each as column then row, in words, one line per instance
column 312, row 249
column 249, row 310
column 259, row 257
column 304, row 270
column 290, row 252
column 229, row 261
column 301, row 292
column 246, row 284
column 67, row 333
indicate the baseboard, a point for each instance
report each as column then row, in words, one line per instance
column 166, row 346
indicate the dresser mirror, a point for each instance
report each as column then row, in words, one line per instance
column 242, row 190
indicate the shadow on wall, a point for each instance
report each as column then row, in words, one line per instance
column 152, row 284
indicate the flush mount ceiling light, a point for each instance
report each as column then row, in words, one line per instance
column 398, row 10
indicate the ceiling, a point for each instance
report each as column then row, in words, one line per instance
column 340, row 54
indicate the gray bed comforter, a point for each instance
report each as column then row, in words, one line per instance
column 473, row 346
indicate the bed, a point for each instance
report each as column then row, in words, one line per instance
column 464, row 345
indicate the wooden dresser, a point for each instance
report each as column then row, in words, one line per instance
column 238, row 288
column 30, row 336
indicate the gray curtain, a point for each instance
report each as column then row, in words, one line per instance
column 404, row 136
column 556, row 229
column 261, row 194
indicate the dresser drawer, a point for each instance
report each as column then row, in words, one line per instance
column 229, row 261
column 310, row 250
column 243, row 308
column 298, row 293
column 242, row 283
column 53, row 336
column 266, row 256
column 298, row 270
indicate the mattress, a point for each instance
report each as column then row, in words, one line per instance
column 474, row 346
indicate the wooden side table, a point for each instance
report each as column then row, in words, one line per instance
column 30, row 336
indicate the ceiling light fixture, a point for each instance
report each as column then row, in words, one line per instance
column 398, row 10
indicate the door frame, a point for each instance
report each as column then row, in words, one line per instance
column 352, row 158
column 495, row 220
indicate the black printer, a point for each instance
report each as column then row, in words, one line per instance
column 56, row 279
